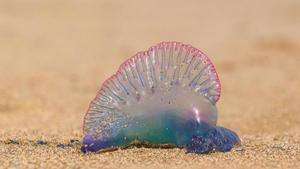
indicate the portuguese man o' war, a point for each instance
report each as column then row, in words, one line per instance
column 163, row 96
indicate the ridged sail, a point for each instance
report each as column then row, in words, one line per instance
column 150, row 80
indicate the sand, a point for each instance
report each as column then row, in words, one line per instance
column 54, row 56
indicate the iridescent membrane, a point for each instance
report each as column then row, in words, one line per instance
column 164, row 96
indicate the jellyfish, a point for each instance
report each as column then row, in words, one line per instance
column 164, row 96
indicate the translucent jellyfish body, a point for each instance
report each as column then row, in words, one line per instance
column 163, row 96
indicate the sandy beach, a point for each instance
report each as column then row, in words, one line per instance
column 55, row 55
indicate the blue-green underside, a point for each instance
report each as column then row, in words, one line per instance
column 167, row 128
column 162, row 128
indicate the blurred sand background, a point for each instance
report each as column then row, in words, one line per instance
column 55, row 54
